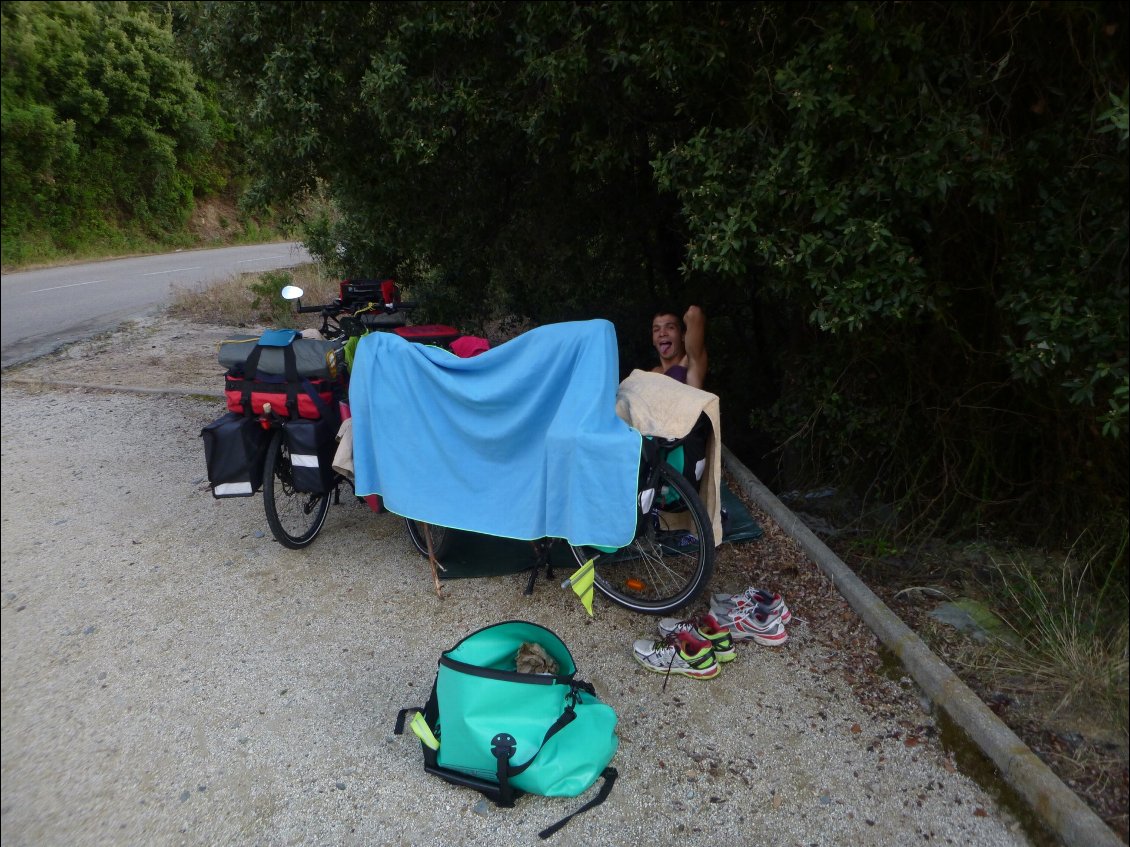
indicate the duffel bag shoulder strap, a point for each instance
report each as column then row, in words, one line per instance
column 503, row 747
column 323, row 410
column 609, row 776
column 251, row 372
column 293, row 382
column 701, row 430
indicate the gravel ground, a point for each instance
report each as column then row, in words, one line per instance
column 172, row 675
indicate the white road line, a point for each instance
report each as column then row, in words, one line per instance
column 72, row 285
column 173, row 271
column 261, row 258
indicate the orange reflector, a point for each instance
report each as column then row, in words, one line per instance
column 635, row 584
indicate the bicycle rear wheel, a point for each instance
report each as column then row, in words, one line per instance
column 295, row 517
column 442, row 537
column 670, row 561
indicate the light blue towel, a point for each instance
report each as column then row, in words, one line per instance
column 521, row 441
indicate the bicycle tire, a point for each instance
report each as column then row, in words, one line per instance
column 442, row 538
column 295, row 517
column 669, row 563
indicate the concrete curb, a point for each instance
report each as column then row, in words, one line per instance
column 1058, row 806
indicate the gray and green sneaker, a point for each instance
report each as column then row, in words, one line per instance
column 682, row 653
column 705, row 626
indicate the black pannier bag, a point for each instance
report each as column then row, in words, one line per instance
column 312, row 445
column 687, row 455
column 235, row 448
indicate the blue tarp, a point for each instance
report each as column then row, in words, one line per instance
column 521, row 441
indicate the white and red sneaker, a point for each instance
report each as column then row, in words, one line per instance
column 752, row 623
column 771, row 603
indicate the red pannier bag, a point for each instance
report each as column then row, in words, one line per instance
column 291, row 396
column 440, row 334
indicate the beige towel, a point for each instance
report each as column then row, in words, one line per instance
column 657, row 405
column 343, row 458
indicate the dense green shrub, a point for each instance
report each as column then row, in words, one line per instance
column 941, row 191
column 104, row 128
column 907, row 222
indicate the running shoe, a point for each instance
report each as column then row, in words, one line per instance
column 679, row 653
column 752, row 624
column 706, row 627
column 771, row 603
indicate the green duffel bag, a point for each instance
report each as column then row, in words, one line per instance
column 504, row 732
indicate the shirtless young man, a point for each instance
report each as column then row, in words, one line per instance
column 681, row 345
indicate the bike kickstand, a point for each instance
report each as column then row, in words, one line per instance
column 541, row 548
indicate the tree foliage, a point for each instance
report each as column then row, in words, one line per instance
column 907, row 222
column 102, row 123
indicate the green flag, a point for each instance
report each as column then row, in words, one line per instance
column 581, row 583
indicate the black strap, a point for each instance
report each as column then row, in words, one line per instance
column 290, row 368
column 609, row 775
column 293, row 382
column 502, row 746
column 401, row 715
column 250, row 368
column 567, row 717
column 503, row 752
column 584, row 686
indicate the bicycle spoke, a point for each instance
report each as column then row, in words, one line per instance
column 668, row 564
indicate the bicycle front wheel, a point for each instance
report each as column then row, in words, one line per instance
column 295, row 517
column 671, row 559
column 441, row 538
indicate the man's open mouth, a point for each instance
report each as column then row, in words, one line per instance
column 664, row 348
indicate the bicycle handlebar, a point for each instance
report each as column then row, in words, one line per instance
column 337, row 308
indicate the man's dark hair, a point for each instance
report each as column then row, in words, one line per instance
column 677, row 314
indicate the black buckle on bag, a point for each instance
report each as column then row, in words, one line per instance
column 581, row 685
column 503, row 745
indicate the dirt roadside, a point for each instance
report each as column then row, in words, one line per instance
column 171, row 675
column 155, row 353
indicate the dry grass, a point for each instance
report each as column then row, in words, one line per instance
column 1070, row 647
column 242, row 300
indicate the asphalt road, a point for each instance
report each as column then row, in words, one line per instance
column 43, row 309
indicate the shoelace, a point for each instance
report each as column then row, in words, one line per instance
column 671, row 640
column 689, row 625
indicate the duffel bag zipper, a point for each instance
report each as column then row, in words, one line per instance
column 506, row 676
